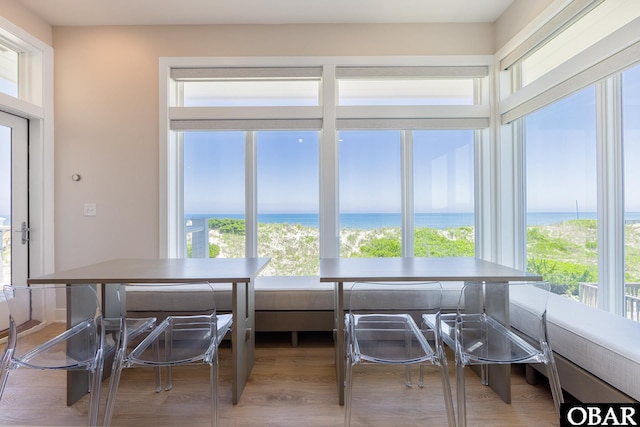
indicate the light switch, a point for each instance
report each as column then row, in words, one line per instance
column 89, row 209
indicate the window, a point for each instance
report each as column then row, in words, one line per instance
column 601, row 21
column 631, row 141
column 285, row 161
column 405, row 91
column 251, row 93
column 561, row 195
column 443, row 169
column 214, row 194
column 569, row 141
column 287, row 190
column 288, row 223
column 8, row 70
column 370, row 193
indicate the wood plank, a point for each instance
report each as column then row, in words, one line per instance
column 288, row 387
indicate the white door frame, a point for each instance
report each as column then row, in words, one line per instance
column 19, row 208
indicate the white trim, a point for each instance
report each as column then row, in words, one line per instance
column 470, row 117
column 536, row 23
column 166, row 178
column 208, row 73
column 37, row 87
column 251, row 194
column 287, row 61
column 618, row 50
column 407, row 194
column 414, row 112
column 328, row 157
column 564, row 17
column 611, row 260
column 244, row 113
column 431, row 72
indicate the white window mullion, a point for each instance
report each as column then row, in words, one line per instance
column 329, row 195
column 407, row 194
column 177, row 209
column 510, row 223
column 251, row 195
column 610, row 196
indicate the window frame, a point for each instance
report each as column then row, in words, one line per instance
column 601, row 65
column 329, row 114
column 35, row 103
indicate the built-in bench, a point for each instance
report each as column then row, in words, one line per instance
column 284, row 304
column 597, row 353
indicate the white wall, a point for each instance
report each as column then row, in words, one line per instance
column 106, row 107
column 516, row 17
column 23, row 18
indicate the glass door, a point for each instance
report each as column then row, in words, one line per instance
column 14, row 218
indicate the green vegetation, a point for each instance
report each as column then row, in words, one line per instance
column 227, row 225
column 430, row 242
column 565, row 254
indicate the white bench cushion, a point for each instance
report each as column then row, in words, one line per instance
column 606, row 345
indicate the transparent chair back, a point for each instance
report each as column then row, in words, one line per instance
column 483, row 332
column 190, row 333
column 79, row 347
column 382, row 327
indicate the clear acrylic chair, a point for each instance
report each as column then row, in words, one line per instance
column 80, row 347
column 381, row 328
column 479, row 339
column 134, row 327
column 189, row 337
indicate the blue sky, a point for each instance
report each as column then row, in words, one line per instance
column 560, row 153
column 288, row 171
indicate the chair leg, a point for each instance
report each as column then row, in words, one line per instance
column 554, row 379
column 96, row 382
column 4, row 370
column 168, row 350
column 460, row 395
column 213, row 379
column 156, row 354
column 407, row 380
column 446, row 387
column 348, row 391
column 114, row 381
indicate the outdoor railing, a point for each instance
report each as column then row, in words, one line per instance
column 588, row 294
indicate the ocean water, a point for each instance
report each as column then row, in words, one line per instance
column 432, row 220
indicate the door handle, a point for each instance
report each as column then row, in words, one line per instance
column 24, row 231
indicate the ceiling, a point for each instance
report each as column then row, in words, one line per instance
column 166, row 12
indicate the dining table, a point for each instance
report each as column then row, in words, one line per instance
column 410, row 269
column 240, row 272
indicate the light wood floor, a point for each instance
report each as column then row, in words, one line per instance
column 288, row 387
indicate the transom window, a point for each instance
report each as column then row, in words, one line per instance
column 8, row 70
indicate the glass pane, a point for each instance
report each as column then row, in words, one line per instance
column 214, row 194
column 405, row 92
column 631, row 141
column 252, row 93
column 443, row 169
column 370, row 193
column 288, row 202
column 5, row 205
column 8, row 71
column 561, row 191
